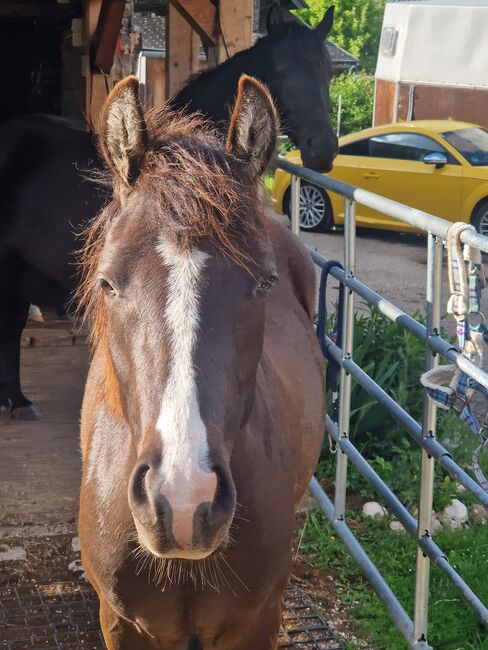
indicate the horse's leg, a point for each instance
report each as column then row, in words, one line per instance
column 13, row 316
column 261, row 634
column 120, row 634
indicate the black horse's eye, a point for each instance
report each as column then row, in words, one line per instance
column 267, row 283
column 107, row 288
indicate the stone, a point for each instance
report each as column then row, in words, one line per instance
column 10, row 554
column 436, row 525
column 397, row 527
column 478, row 514
column 455, row 515
column 307, row 503
column 75, row 566
column 75, row 544
column 373, row 509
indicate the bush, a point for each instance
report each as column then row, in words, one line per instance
column 357, row 90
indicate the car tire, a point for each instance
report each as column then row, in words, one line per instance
column 479, row 218
column 315, row 208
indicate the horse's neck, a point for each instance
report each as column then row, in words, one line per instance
column 212, row 93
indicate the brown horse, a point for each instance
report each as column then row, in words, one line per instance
column 203, row 411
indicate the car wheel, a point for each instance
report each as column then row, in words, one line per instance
column 315, row 208
column 479, row 218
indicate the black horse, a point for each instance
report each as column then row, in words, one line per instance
column 46, row 197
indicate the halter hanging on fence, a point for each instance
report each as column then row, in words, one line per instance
column 448, row 386
column 333, row 367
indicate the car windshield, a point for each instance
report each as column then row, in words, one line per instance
column 472, row 143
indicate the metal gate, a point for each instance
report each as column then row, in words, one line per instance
column 414, row 631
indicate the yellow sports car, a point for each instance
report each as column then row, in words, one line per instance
column 439, row 166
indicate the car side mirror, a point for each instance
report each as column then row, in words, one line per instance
column 435, row 158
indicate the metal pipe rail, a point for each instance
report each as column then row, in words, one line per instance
column 414, row 631
column 425, row 542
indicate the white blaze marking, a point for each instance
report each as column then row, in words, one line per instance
column 183, row 433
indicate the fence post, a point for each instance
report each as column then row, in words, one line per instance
column 433, row 308
column 347, row 349
column 295, row 205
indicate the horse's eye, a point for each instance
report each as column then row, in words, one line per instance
column 107, row 288
column 266, row 283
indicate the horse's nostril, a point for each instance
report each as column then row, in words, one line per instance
column 139, row 493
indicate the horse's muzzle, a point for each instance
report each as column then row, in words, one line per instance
column 181, row 519
column 318, row 153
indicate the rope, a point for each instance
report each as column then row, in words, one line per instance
column 446, row 385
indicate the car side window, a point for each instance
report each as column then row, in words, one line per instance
column 406, row 146
column 359, row 148
column 396, row 146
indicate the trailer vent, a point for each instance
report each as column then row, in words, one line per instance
column 388, row 43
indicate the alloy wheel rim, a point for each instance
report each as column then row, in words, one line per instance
column 483, row 225
column 312, row 207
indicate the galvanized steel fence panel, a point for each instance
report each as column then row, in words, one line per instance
column 414, row 630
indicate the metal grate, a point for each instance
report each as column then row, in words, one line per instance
column 48, row 617
column 302, row 626
column 65, row 615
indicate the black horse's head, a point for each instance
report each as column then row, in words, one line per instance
column 299, row 74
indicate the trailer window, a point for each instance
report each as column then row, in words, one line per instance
column 472, row 144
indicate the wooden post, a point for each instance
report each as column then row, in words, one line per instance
column 236, row 21
column 96, row 91
column 181, row 51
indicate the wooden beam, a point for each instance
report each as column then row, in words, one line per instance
column 107, row 33
column 236, row 21
column 181, row 51
column 202, row 16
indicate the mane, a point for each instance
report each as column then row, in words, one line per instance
column 198, row 191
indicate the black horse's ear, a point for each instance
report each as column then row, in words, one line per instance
column 279, row 20
column 323, row 28
column 253, row 127
column 123, row 131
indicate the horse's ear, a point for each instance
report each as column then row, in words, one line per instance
column 123, row 131
column 278, row 20
column 323, row 28
column 253, row 127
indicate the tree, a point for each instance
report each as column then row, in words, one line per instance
column 357, row 92
column 357, row 26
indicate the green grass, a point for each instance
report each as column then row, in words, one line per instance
column 453, row 625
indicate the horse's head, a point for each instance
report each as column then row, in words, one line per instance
column 299, row 79
column 179, row 292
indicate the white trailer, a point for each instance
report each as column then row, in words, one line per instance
column 433, row 61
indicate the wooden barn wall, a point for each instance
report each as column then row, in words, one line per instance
column 155, row 79
column 431, row 102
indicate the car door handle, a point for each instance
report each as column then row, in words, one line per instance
column 371, row 175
